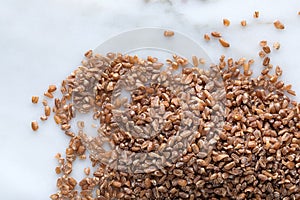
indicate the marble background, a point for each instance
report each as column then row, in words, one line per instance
column 41, row 42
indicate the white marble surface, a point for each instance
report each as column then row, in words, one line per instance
column 43, row 41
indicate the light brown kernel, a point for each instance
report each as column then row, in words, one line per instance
column 226, row 22
column 243, row 23
column 206, row 37
column 276, row 45
column 263, row 43
column 49, row 95
column 216, row 34
column 87, row 171
column 195, row 61
column 224, row 43
column 35, row 99
column 47, row 111
column 34, row 125
column 168, row 33
column 278, row 25
column 51, row 88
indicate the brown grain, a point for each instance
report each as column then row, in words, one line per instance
column 263, row 43
column 49, row 95
column 168, row 33
column 116, row 184
column 57, row 119
column 266, row 49
column 243, row 23
column 278, row 25
column 216, row 34
column 87, row 171
column 255, row 151
column 256, row 14
column 47, row 111
column 195, row 61
column 206, row 37
column 34, row 125
column 44, row 118
column 262, row 54
column 266, row 61
column 57, row 170
column 35, row 99
column 45, row 102
column 224, row 43
column 51, row 88
column 276, row 45
column 226, row 22
column 202, row 61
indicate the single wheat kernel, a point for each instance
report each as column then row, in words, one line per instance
column 256, row 14
column 168, row 33
column 57, row 156
column 224, row 43
column 45, row 102
column 43, row 118
column 267, row 49
column 47, row 111
column 216, row 34
column 266, row 61
column 263, row 43
column 87, row 171
column 88, row 54
column 57, row 170
column 276, row 45
column 195, row 61
column 202, row 61
column 206, row 37
column 35, row 99
column 57, row 119
column 51, row 88
column 237, row 117
column 117, row 184
column 278, row 24
column 48, row 94
column 292, row 92
column 34, row 125
column 246, row 66
column 243, row 23
column 262, row 54
column 226, row 22
column 54, row 197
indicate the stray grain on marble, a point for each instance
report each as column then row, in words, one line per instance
column 34, row 125
column 168, row 33
column 206, row 37
column 278, row 24
column 35, row 99
column 216, row 34
column 243, row 23
column 48, row 94
column 226, row 22
column 256, row 14
column 276, row 45
column 263, row 43
column 195, row 61
column 224, row 43
column 51, row 88
column 202, row 61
